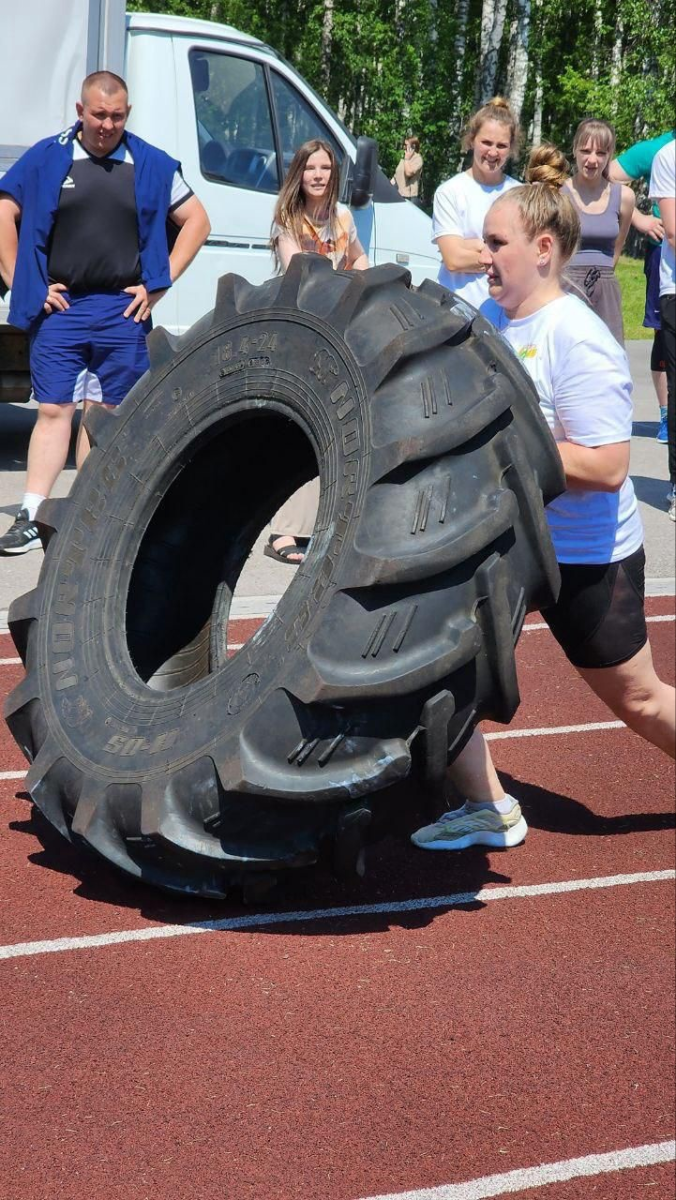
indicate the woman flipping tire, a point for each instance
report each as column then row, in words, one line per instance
column 397, row 632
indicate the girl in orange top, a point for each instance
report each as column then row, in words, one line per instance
column 309, row 220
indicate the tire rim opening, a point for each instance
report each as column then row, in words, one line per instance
column 205, row 528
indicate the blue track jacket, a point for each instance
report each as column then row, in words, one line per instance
column 34, row 182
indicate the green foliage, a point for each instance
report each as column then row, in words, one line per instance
column 632, row 284
column 392, row 69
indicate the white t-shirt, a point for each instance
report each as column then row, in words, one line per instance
column 460, row 206
column 663, row 187
column 582, row 377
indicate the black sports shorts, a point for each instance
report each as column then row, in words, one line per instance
column 658, row 357
column 599, row 618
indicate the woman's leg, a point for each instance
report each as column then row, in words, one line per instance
column 638, row 697
column 296, row 519
column 473, row 774
column 487, row 818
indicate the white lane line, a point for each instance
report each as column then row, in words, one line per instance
column 536, row 1177
column 259, row 920
column 543, row 624
column 549, row 730
column 13, row 774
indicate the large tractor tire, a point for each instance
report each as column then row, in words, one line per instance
column 193, row 770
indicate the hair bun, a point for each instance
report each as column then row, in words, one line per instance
column 500, row 102
column 547, row 164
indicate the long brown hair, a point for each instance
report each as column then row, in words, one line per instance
column 289, row 212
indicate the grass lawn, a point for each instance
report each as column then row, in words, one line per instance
column 632, row 282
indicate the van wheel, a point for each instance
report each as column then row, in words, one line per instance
column 197, row 771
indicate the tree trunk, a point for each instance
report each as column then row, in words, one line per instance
column 492, row 26
column 616, row 64
column 518, row 58
column 536, row 136
column 327, row 39
column 459, row 45
column 597, row 35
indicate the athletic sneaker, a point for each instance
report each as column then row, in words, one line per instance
column 671, row 500
column 662, row 432
column 473, row 827
column 21, row 537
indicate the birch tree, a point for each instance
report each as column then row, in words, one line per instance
column 390, row 67
column 517, row 78
column 459, row 44
column 327, row 39
column 492, row 27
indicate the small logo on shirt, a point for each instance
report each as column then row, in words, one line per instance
column 68, row 182
column 527, row 351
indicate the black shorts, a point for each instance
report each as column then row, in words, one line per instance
column 599, row 618
column 658, row 355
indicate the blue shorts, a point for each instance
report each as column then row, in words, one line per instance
column 651, row 270
column 89, row 351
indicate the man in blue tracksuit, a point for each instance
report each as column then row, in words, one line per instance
column 83, row 247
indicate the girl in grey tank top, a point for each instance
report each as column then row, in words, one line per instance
column 603, row 231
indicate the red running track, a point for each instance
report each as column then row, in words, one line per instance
column 351, row 1057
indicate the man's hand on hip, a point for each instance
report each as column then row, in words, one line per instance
column 143, row 303
column 54, row 301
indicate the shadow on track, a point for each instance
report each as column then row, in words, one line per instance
column 557, row 813
column 396, row 872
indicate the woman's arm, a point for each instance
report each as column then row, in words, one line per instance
column 668, row 215
column 627, row 205
column 595, row 468
column 412, row 165
column 357, row 258
column 286, row 247
column 648, row 225
column 590, row 389
column 461, row 254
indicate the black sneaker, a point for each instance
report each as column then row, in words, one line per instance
column 21, row 537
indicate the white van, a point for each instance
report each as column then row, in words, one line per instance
column 230, row 108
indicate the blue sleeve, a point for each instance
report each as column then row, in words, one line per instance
column 13, row 182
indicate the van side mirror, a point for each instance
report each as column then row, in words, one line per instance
column 364, row 172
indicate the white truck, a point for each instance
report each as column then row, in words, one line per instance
column 229, row 107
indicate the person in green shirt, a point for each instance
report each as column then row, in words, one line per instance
column 636, row 163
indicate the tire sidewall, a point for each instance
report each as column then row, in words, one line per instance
column 103, row 715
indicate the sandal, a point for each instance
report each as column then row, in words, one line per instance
column 283, row 555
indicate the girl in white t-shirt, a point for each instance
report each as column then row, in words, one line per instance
column 309, row 220
column 461, row 203
column 582, row 378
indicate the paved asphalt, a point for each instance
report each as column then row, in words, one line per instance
column 265, row 579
